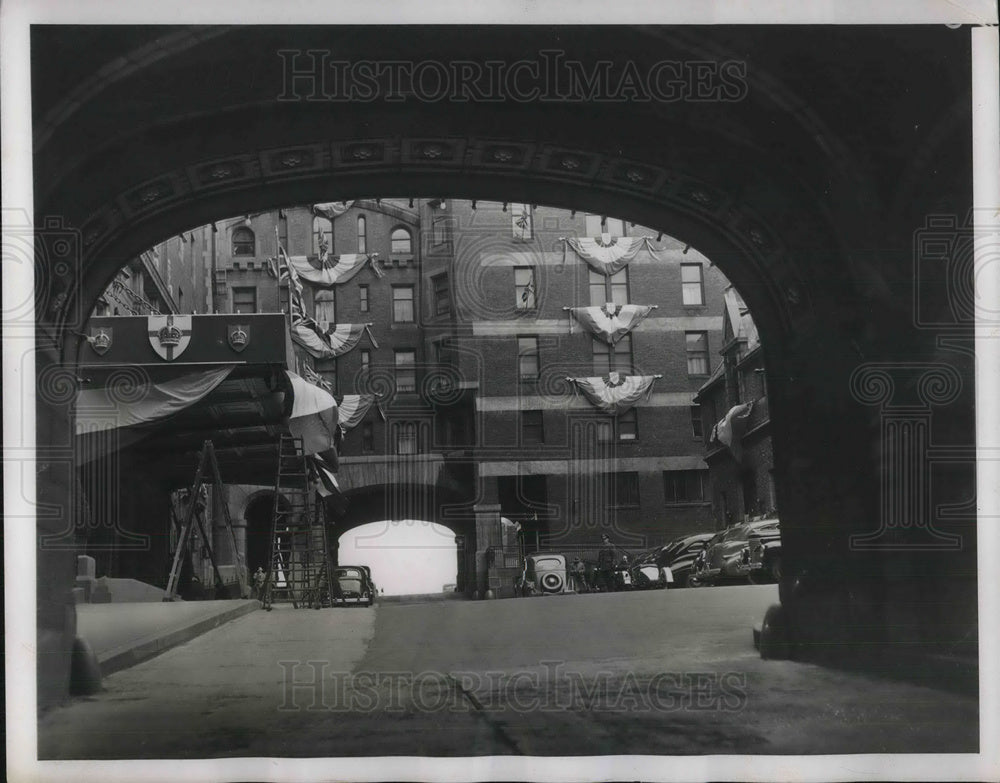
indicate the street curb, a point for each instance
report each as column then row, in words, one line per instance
column 144, row 649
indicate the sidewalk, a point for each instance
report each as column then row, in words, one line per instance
column 122, row 635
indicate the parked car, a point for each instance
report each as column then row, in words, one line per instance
column 353, row 584
column 763, row 554
column 645, row 573
column 723, row 560
column 543, row 574
column 679, row 556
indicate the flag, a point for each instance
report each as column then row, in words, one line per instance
column 729, row 431
column 611, row 322
column 608, row 258
column 615, row 393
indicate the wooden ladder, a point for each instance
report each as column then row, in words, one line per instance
column 298, row 570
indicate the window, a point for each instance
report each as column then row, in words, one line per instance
column 531, row 427
column 366, row 360
column 322, row 237
column 684, row 486
column 521, row 221
column 696, row 421
column 406, row 371
column 362, row 234
column 609, row 288
column 402, row 243
column 363, row 297
column 524, row 287
column 244, row 242
column 625, row 489
column 692, row 285
column 439, row 231
column 325, row 310
column 402, row 303
column 624, row 426
column 628, row 424
column 618, row 358
column 245, row 300
column 406, row 437
column 612, row 226
column 527, row 358
column 442, row 294
column 697, row 352
column 367, row 437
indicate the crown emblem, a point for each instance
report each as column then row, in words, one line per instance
column 101, row 341
column 239, row 336
column 169, row 336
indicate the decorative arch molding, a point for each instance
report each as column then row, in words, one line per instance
column 753, row 251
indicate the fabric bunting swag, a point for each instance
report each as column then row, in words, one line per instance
column 615, row 393
column 354, row 407
column 330, row 343
column 333, row 270
column 101, row 409
column 611, row 322
column 611, row 257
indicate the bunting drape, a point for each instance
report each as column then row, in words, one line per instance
column 158, row 401
column 329, row 343
column 353, row 408
column 611, row 256
column 333, row 270
column 611, row 322
column 615, row 393
column 332, row 209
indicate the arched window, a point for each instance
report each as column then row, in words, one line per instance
column 362, row 234
column 244, row 242
column 402, row 243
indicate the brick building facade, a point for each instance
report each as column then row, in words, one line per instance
column 741, row 474
column 468, row 303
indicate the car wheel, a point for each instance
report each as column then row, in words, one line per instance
column 694, row 581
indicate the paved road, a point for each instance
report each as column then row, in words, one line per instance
column 654, row 673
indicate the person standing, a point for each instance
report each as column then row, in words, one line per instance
column 606, row 566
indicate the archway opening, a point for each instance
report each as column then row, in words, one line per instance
column 406, row 557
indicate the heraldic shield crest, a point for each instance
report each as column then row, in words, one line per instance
column 238, row 336
column 101, row 339
column 169, row 334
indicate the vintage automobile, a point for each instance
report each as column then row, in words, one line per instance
column 679, row 556
column 723, row 560
column 763, row 555
column 543, row 574
column 353, row 584
column 645, row 573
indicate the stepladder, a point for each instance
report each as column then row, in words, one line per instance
column 298, row 568
column 192, row 506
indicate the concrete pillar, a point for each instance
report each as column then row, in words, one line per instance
column 56, row 529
